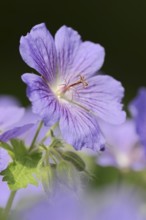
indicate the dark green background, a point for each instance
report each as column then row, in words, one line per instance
column 119, row 25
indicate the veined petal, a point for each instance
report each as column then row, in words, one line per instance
column 38, row 50
column 67, row 42
column 9, row 116
column 15, row 132
column 103, row 97
column 44, row 102
column 80, row 129
column 88, row 60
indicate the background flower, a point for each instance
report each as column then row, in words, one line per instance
column 138, row 110
column 123, row 147
column 10, row 116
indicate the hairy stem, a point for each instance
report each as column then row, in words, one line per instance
column 35, row 137
column 9, row 204
column 49, row 133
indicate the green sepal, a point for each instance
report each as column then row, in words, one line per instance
column 75, row 160
column 19, row 148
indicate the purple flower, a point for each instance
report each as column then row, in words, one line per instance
column 127, row 143
column 68, row 90
column 123, row 148
column 10, row 116
column 138, row 110
column 10, row 127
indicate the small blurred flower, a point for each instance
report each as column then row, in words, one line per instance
column 65, row 204
column 123, row 148
column 138, row 110
column 10, row 127
column 10, row 116
column 127, row 142
column 68, row 90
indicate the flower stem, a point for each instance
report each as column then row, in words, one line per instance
column 36, row 135
column 49, row 133
column 9, row 204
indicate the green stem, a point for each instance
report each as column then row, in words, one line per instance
column 49, row 133
column 36, row 135
column 9, row 204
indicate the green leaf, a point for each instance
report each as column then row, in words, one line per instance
column 22, row 172
column 74, row 159
column 19, row 148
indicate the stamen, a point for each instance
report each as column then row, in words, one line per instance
column 80, row 81
column 66, row 87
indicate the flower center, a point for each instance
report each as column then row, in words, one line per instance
column 67, row 87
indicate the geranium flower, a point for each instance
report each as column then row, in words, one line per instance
column 68, row 90
column 127, row 142
column 138, row 110
column 10, row 116
column 123, row 147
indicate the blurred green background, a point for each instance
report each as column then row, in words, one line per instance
column 119, row 25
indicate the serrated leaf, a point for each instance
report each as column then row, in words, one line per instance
column 22, row 172
column 75, row 160
column 19, row 148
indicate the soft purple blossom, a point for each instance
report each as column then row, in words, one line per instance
column 109, row 204
column 123, row 147
column 138, row 110
column 127, row 142
column 10, row 116
column 68, row 91
column 10, row 127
